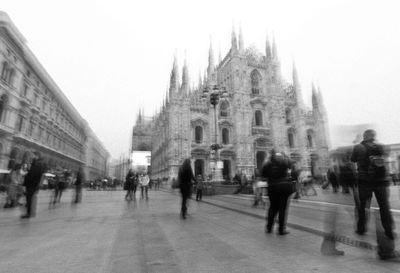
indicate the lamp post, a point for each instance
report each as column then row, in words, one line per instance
column 215, row 92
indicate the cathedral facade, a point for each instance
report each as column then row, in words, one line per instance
column 260, row 111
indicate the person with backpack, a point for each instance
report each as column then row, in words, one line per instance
column 372, row 178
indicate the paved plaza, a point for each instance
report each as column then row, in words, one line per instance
column 221, row 234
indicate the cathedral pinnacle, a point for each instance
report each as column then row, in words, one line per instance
column 211, row 63
column 314, row 98
column 233, row 40
column 185, row 78
column 241, row 42
column 174, row 79
column 268, row 52
column 274, row 49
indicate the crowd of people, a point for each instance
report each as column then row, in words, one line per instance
column 363, row 174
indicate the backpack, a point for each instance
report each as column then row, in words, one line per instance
column 376, row 166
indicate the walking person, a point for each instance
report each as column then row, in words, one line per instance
column 78, row 185
column 185, row 178
column 144, row 185
column 32, row 182
column 15, row 178
column 199, row 187
column 130, row 185
column 275, row 170
column 372, row 178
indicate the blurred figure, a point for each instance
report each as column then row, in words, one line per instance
column 32, row 182
column 275, row 170
column 185, row 178
column 130, row 186
column 14, row 186
column 144, row 185
column 294, row 174
column 199, row 187
column 369, row 157
column 80, row 178
column 333, row 179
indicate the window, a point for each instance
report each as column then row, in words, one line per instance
column 255, row 82
column 288, row 113
column 223, row 109
column 225, row 136
column 198, row 132
column 20, row 123
column 291, row 139
column 25, row 90
column 3, row 103
column 258, row 118
column 309, row 141
column 4, row 71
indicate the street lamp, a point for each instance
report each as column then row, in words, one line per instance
column 214, row 93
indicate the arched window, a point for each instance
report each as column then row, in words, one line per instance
column 225, row 136
column 10, row 76
column 288, row 113
column 291, row 139
column 255, row 82
column 223, row 109
column 258, row 118
column 198, row 134
column 3, row 103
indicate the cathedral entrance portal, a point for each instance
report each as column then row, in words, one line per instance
column 199, row 167
column 226, row 170
column 260, row 157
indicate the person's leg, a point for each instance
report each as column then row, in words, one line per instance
column 282, row 208
column 201, row 194
column 146, row 190
column 272, row 211
column 141, row 192
column 365, row 194
column 183, row 207
column 134, row 191
column 197, row 194
column 382, row 197
column 29, row 197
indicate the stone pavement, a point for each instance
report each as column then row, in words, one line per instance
column 107, row 234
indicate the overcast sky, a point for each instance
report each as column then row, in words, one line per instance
column 112, row 57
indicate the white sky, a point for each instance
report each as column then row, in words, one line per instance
column 112, row 57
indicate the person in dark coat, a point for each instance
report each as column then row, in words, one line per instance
column 130, row 186
column 185, row 178
column 275, row 170
column 32, row 183
column 372, row 178
column 80, row 178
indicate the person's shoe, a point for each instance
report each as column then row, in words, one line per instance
column 389, row 256
column 25, row 216
column 360, row 232
column 283, row 232
column 268, row 229
column 332, row 252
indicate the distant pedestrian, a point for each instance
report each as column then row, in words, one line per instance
column 130, row 186
column 144, row 181
column 372, row 178
column 80, row 178
column 333, row 179
column 275, row 170
column 32, row 183
column 185, row 178
column 14, row 186
column 199, row 187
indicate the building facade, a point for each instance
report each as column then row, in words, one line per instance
column 261, row 111
column 35, row 115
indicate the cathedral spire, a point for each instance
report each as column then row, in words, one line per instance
column 274, row 49
column 219, row 56
column 233, row 40
column 241, row 42
column 297, row 87
column 314, row 98
column 185, row 78
column 211, row 63
column 268, row 52
column 174, row 79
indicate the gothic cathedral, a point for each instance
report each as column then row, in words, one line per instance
column 260, row 111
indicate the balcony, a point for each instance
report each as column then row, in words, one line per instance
column 260, row 130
